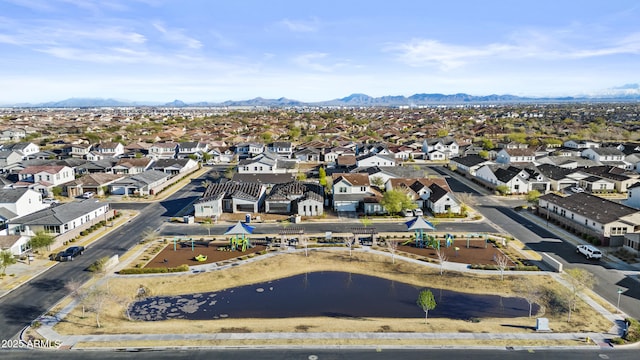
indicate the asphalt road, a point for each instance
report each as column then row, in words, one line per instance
column 20, row 307
column 333, row 354
column 548, row 239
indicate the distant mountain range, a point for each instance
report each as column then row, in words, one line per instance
column 625, row 93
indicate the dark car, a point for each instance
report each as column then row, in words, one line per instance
column 69, row 253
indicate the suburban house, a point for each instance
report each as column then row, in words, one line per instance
column 429, row 194
column 25, row 149
column 13, row 134
column 331, row 156
column 308, row 154
column 15, row 244
column 221, row 154
column 43, row 178
column 132, row 166
column 267, row 163
column 590, row 215
column 230, row 197
column 616, row 175
column 110, row 149
column 468, row 164
column 97, row 183
column 447, row 146
column 375, row 159
column 633, row 196
column 606, row 156
column 64, row 221
column 560, row 178
column 18, row 202
column 304, row 199
column 7, row 158
column 80, row 150
column 149, row 182
column 442, row 201
column 192, row 149
column 595, row 184
column 580, row 144
column 513, row 178
column 350, row 191
column 176, row 166
column 165, row 150
column 517, row 155
column 247, row 150
column 282, row 148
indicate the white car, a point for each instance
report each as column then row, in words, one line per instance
column 417, row 212
column 88, row 195
column 50, row 201
column 577, row 189
column 589, row 251
column 407, row 213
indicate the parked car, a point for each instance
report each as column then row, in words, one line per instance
column 50, row 201
column 407, row 213
column 69, row 253
column 577, row 189
column 417, row 212
column 88, row 195
column 589, row 251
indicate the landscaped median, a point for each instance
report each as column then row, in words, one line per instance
column 124, row 290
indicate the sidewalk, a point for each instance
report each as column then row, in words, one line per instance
column 23, row 271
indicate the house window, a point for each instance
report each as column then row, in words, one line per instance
column 342, row 189
column 363, row 188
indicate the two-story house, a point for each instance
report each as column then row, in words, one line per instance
column 110, row 149
column 44, row 178
column 606, row 156
column 192, row 149
column 447, row 147
column 165, row 150
column 350, row 191
column 132, row 166
column 18, row 202
column 79, row 150
column 247, row 150
column 517, row 155
column 282, row 148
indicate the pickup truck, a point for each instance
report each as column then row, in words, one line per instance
column 590, row 252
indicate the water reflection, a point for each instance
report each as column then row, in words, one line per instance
column 337, row 294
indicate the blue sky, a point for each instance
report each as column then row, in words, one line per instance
column 193, row 50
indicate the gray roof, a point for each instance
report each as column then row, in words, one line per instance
column 60, row 214
column 607, row 151
column 591, row 207
column 6, row 214
column 165, row 163
column 150, row 176
column 10, row 196
column 469, row 160
column 264, row 178
column 231, row 189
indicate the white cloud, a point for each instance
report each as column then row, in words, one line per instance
column 300, row 26
column 312, row 61
column 177, row 36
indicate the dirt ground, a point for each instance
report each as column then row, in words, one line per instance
column 184, row 255
column 475, row 254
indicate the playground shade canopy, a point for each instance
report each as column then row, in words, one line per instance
column 419, row 223
column 240, row 229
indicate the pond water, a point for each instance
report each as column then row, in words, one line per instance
column 333, row 294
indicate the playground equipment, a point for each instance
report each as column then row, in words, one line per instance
column 239, row 239
column 418, row 225
column 201, row 258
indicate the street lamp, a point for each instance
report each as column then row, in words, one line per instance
column 619, row 292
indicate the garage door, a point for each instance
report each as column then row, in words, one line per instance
column 345, row 206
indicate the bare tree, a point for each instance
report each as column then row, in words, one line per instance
column 96, row 300
column 530, row 291
column 441, row 259
column 578, row 280
column 348, row 242
column 304, row 241
column 502, row 262
column 77, row 293
column 392, row 246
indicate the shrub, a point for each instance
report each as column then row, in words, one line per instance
column 181, row 268
column 633, row 330
column 98, row 265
